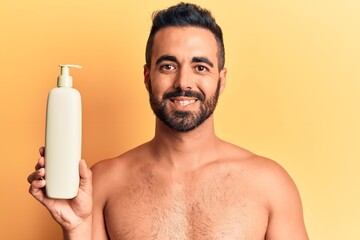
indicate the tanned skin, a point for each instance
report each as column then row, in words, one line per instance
column 180, row 185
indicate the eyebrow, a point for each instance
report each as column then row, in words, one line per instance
column 174, row 59
column 166, row 58
column 202, row 60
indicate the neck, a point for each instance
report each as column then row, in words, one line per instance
column 185, row 151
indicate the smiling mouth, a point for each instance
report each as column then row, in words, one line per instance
column 183, row 103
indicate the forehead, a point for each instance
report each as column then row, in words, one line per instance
column 185, row 42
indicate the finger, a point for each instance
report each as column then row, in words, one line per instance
column 40, row 164
column 42, row 151
column 37, row 190
column 38, row 184
column 37, row 175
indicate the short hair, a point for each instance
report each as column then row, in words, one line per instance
column 182, row 15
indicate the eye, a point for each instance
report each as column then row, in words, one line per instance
column 201, row 68
column 167, row 67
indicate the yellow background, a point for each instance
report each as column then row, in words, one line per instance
column 292, row 95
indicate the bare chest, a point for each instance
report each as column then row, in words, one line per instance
column 206, row 210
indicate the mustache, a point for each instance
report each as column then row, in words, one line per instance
column 184, row 93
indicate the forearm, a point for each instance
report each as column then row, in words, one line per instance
column 82, row 232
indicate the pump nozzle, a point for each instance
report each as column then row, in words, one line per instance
column 65, row 80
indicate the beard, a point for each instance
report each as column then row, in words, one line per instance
column 184, row 121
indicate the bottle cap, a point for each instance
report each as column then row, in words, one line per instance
column 65, row 80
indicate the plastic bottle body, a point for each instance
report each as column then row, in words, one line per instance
column 63, row 143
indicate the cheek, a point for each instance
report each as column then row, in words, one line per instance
column 160, row 84
column 208, row 87
column 157, row 89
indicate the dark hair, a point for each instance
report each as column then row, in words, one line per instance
column 185, row 14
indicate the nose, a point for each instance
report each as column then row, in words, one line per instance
column 184, row 79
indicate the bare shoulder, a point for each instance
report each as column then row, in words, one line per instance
column 274, row 185
column 270, row 180
column 264, row 170
column 286, row 220
column 110, row 173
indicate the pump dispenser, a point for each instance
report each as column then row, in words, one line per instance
column 65, row 80
column 63, row 138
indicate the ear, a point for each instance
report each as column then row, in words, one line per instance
column 222, row 79
column 147, row 77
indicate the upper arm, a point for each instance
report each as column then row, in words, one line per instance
column 99, row 231
column 285, row 209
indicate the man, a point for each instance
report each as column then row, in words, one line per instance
column 185, row 183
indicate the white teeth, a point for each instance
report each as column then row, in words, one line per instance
column 184, row 102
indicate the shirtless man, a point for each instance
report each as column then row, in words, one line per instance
column 186, row 183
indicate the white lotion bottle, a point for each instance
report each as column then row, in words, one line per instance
column 63, row 138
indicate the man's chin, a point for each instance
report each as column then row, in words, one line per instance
column 182, row 129
column 180, row 126
column 182, row 114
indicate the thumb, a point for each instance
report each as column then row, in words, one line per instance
column 85, row 177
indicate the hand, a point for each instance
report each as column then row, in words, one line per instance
column 69, row 213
